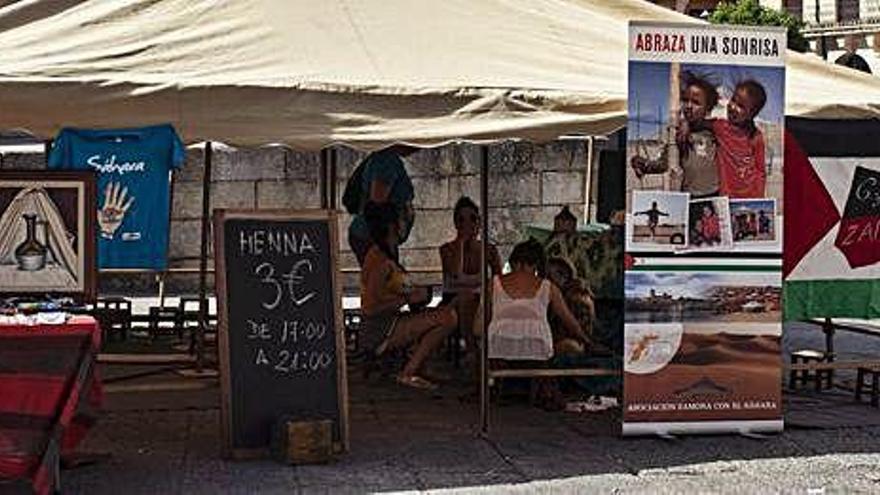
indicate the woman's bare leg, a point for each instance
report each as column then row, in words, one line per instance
column 428, row 330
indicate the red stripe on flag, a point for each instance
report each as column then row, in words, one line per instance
column 809, row 209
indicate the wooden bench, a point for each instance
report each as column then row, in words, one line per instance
column 835, row 365
column 545, row 373
column 867, row 365
column 552, row 373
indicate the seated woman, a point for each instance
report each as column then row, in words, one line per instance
column 385, row 289
column 518, row 305
column 461, row 259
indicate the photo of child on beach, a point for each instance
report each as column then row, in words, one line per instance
column 709, row 224
column 659, row 219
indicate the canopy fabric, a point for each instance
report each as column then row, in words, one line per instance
column 362, row 72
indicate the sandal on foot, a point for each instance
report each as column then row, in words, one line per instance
column 415, row 381
column 83, row 459
column 436, row 376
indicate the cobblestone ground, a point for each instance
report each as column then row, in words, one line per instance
column 168, row 442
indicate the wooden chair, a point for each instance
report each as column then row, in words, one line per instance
column 114, row 316
column 352, row 319
column 863, row 372
column 819, row 376
column 165, row 319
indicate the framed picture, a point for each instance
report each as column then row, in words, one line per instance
column 658, row 221
column 709, row 224
column 47, row 233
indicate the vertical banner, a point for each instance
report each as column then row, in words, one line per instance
column 702, row 350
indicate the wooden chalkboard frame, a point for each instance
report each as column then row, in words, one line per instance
column 219, row 224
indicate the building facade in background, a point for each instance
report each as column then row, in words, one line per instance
column 835, row 29
column 694, row 8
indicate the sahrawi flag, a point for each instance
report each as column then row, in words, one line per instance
column 832, row 236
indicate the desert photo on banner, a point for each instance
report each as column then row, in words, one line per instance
column 717, row 372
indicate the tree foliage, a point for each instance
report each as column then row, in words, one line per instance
column 751, row 13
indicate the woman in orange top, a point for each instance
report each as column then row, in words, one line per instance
column 386, row 289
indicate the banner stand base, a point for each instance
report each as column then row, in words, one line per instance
column 668, row 430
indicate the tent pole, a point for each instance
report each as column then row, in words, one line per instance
column 484, row 291
column 323, row 179
column 588, row 181
column 333, row 177
column 203, row 258
column 47, row 149
column 828, row 329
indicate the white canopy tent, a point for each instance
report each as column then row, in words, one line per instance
column 366, row 73
column 362, row 72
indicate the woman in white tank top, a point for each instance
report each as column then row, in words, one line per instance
column 519, row 329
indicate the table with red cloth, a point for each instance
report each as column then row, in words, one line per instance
column 49, row 397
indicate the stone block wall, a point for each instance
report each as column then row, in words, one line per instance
column 528, row 184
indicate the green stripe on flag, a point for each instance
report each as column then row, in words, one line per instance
column 705, row 268
column 831, row 299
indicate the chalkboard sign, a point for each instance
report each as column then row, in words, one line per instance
column 280, row 336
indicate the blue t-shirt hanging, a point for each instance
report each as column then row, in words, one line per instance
column 133, row 168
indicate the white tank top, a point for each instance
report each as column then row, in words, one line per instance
column 519, row 328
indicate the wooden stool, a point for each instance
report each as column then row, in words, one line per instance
column 165, row 319
column 807, row 356
column 352, row 324
column 114, row 315
column 861, row 383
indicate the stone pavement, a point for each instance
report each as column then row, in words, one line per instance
column 169, row 443
column 401, row 440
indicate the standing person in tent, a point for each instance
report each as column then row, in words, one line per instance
column 564, row 241
column 653, row 215
column 380, row 178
